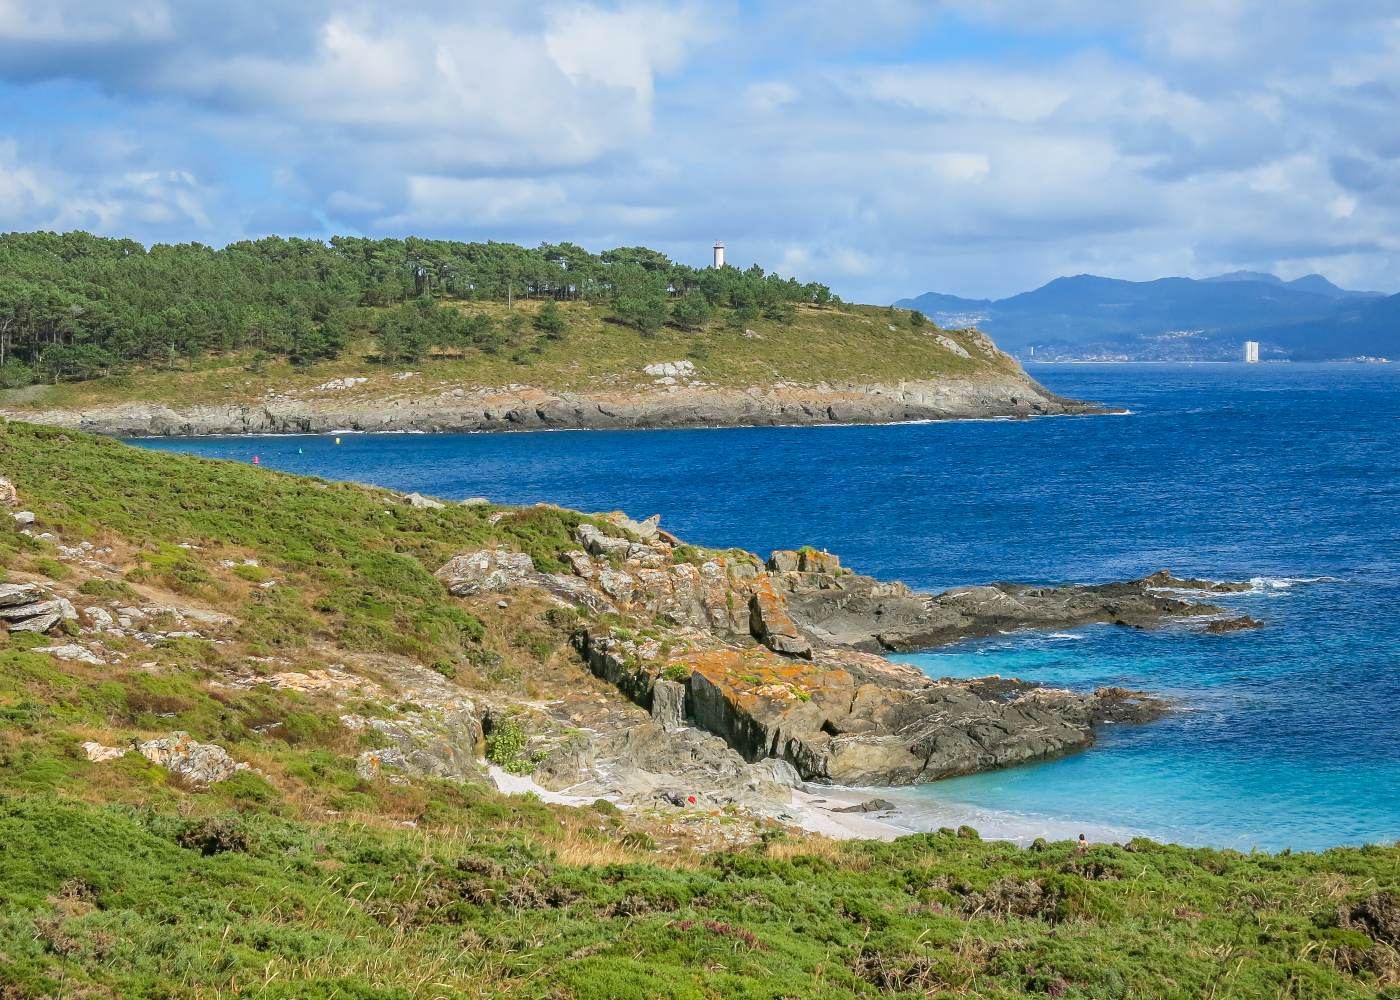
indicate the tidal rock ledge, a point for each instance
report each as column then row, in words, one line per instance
column 778, row 658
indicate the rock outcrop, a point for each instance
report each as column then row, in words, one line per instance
column 770, row 622
column 28, row 607
column 864, row 613
column 776, row 658
column 515, row 408
column 500, row 570
column 438, row 736
column 852, row 718
column 200, row 764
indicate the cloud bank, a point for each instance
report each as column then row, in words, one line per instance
column 973, row 146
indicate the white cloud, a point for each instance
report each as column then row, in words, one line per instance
column 965, row 91
column 833, row 141
column 71, row 22
column 769, row 96
column 479, row 202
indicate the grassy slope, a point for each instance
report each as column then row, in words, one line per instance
column 835, row 343
column 314, row 888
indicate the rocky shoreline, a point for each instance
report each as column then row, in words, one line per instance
column 760, row 676
column 679, row 681
column 522, row 408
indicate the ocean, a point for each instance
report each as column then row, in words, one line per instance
column 1284, row 475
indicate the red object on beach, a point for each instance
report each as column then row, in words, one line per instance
column 690, row 799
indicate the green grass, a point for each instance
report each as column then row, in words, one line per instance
column 354, row 563
column 305, row 880
column 107, row 899
column 834, row 343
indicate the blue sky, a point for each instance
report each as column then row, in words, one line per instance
column 887, row 147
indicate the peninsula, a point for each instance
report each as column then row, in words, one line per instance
column 308, row 697
column 297, row 336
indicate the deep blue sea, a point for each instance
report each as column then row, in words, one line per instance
column 1287, row 475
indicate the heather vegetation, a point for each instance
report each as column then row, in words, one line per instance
column 304, row 877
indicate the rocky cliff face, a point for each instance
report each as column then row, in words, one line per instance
column 771, row 657
column 529, row 408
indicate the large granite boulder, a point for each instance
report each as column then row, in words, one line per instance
column 499, row 570
column 486, row 570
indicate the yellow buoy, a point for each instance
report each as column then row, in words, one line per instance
column 337, row 440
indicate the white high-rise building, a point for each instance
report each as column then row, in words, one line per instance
column 719, row 255
column 1251, row 352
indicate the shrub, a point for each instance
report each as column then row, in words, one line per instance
column 109, row 590
column 214, row 835
column 505, row 746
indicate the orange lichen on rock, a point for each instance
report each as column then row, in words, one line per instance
column 770, row 623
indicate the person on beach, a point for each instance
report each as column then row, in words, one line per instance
column 1083, row 844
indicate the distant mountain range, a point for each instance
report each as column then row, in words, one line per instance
column 1180, row 319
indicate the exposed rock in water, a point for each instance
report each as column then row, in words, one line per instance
column 1226, row 625
column 864, row 613
column 868, row 806
column 1165, row 579
column 853, row 718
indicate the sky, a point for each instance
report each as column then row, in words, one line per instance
column 886, row 147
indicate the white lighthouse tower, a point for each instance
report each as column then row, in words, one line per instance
column 719, row 255
column 1251, row 352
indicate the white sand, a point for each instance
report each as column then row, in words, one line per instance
column 809, row 810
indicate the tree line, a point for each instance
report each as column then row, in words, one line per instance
column 76, row 306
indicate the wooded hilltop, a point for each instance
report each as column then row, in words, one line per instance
column 74, row 306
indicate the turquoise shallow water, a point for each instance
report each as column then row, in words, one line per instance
column 1286, row 474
